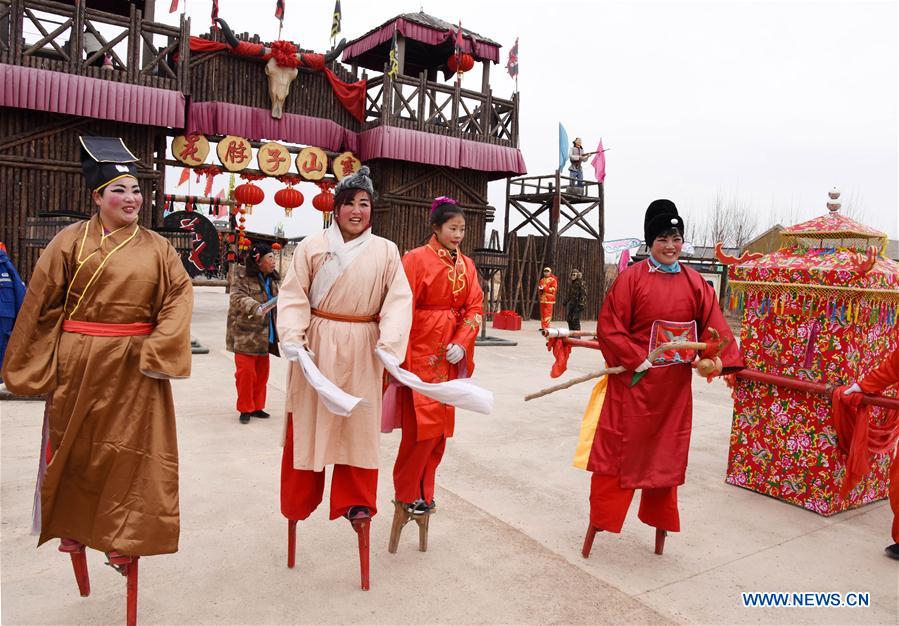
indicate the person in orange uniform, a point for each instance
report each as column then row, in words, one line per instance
column 447, row 310
column 547, row 287
column 876, row 381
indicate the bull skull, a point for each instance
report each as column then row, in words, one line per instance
column 280, row 76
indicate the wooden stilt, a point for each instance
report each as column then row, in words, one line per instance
column 660, row 540
column 79, row 565
column 362, row 528
column 422, row 521
column 291, row 542
column 588, row 541
column 401, row 517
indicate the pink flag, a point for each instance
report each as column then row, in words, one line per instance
column 185, row 174
column 599, row 163
column 174, row 6
column 623, row 260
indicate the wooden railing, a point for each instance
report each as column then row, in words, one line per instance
column 421, row 104
column 529, row 186
column 75, row 39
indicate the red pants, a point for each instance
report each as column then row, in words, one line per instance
column 546, row 314
column 416, row 463
column 609, row 503
column 302, row 490
column 251, row 377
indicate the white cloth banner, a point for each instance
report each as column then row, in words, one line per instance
column 460, row 393
column 333, row 397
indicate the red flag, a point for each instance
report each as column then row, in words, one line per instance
column 599, row 163
column 174, row 6
column 512, row 63
column 279, row 9
column 185, row 174
column 215, row 10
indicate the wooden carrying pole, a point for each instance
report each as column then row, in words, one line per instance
column 665, row 347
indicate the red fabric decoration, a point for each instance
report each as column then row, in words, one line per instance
column 248, row 193
column 251, row 176
column 350, row 95
column 466, row 62
column 285, row 54
column 276, row 246
column 185, row 175
column 210, row 172
column 290, row 179
column 859, row 437
column 561, row 351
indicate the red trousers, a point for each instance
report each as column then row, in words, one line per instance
column 416, row 462
column 546, row 314
column 251, row 377
column 609, row 503
column 302, row 490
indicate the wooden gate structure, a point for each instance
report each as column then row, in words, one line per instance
column 101, row 67
column 556, row 210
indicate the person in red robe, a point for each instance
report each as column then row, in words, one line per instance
column 547, row 287
column 876, row 381
column 447, row 310
column 643, row 436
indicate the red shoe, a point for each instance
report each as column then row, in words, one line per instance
column 75, row 550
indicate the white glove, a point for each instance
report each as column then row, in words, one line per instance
column 853, row 389
column 291, row 351
column 258, row 311
column 454, row 353
column 645, row 365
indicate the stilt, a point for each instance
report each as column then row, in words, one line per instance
column 291, row 542
column 131, row 574
column 79, row 564
column 362, row 527
column 401, row 517
column 660, row 540
column 588, row 541
column 422, row 521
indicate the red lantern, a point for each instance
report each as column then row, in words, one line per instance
column 276, row 246
column 230, row 239
column 288, row 198
column 249, row 194
column 466, row 62
column 324, row 202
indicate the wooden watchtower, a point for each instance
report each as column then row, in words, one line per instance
column 431, row 138
column 569, row 224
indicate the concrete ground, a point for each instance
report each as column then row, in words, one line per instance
column 504, row 545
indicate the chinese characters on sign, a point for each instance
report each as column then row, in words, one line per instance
column 235, row 153
column 345, row 164
column 273, row 159
column 190, row 149
column 312, row 163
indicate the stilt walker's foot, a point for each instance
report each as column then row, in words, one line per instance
column 588, row 541
column 79, row 564
column 291, row 543
column 660, row 540
column 360, row 518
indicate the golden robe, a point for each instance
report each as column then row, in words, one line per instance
column 112, row 481
column 373, row 284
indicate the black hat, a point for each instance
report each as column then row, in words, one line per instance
column 661, row 215
column 104, row 160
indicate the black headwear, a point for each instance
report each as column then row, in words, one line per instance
column 661, row 215
column 259, row 250
column 104, row 160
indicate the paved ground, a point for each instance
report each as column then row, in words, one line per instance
column 504, row 546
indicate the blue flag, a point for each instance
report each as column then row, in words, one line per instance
column 563, row 146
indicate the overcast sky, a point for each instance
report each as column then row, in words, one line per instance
column 769, row 103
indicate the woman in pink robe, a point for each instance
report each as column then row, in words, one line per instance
column 344, row 295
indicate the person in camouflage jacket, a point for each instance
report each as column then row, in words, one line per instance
column 575, row 300
column 252, row 334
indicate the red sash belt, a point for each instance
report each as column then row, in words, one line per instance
column 339, row 317
column 99, row 329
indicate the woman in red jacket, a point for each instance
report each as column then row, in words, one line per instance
column 447, row 308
